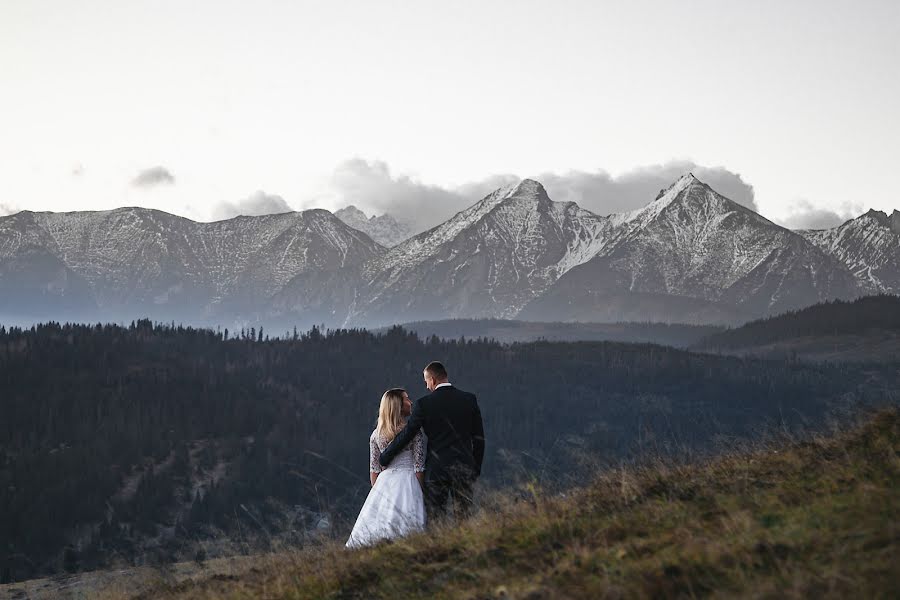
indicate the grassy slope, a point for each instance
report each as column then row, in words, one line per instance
column 814, row 519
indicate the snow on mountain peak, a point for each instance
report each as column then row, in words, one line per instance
column 641, row 216
column 529, row 187
column 384, row 229
column 891, row 222
column 680, row 184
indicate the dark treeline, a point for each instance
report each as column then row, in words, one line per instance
column 502, row 330
column 116, row 439
column 872, row 313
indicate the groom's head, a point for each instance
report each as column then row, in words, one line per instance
column 434, row 374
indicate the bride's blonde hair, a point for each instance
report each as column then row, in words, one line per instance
column 390, row 414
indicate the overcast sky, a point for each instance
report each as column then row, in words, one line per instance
column 206, row 108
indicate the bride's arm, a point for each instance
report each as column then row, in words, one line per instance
column 374, row 454
column 419, row 457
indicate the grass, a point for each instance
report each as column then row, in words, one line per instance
column 812, row 519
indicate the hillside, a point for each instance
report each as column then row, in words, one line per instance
column 816, row 518
column 867, row 329
column 509, row 331
column 151, row 444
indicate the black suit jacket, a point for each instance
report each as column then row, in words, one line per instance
column 452, row 421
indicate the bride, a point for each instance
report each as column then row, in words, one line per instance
column 395, row 505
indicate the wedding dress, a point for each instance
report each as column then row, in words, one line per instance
column 395, row 505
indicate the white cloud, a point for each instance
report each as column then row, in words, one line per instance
column 371, row 186
column 803, row 214
column 8, row 209
column 259, row 203
column 604, row 194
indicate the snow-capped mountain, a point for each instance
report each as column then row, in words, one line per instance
column 693, row 255
column 384, row 229
column 127, row 262
column 489, row 260
column 869, row 246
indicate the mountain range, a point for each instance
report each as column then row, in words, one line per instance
column 691, row 255
column 384, row 229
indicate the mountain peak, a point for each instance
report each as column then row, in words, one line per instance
column 683, row 182
column 351, row 212
column 891, row 221
column 527, row 188
column 895, row 221
column 384, row 229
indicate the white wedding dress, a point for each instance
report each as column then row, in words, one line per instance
column 395, row 505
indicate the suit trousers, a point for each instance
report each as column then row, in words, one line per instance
column 439, row 492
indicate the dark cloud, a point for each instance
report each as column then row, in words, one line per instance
column 804, row 215
column 371, row 186
column 604, row 194
column 152, row 177
column 259, row 203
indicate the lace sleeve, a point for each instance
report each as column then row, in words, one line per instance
column 374, row 455
column 419, row 451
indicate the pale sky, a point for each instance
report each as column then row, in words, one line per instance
column 185, row 106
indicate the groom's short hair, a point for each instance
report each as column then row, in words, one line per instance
column 436, row 370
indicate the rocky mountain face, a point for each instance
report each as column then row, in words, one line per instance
column 689, row 256
column 694, row 256
column 489, row 260
column 869, row 246
column 129, row 262
column 384, row 229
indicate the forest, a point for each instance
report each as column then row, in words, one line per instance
column 879, row 313
column 504, row 330
column 156, row 442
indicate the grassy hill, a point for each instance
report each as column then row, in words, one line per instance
column 127, row 446
column 818, row 518
column 867, row 329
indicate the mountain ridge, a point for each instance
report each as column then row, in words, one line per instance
column 691, row 255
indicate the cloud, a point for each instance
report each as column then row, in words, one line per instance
column 803, row 214
column 152, row 177
column 371, row 186
column 604, row 194
column 259, row 203
column 8, row 209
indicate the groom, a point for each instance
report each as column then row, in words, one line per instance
column 452, row 422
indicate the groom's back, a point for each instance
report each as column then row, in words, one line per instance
column 454, row 429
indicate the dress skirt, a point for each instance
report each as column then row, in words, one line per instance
column 394, row 507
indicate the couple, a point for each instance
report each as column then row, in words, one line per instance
column 410, row 481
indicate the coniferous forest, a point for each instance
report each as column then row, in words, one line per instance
column 880, row 313
column 152, row 443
